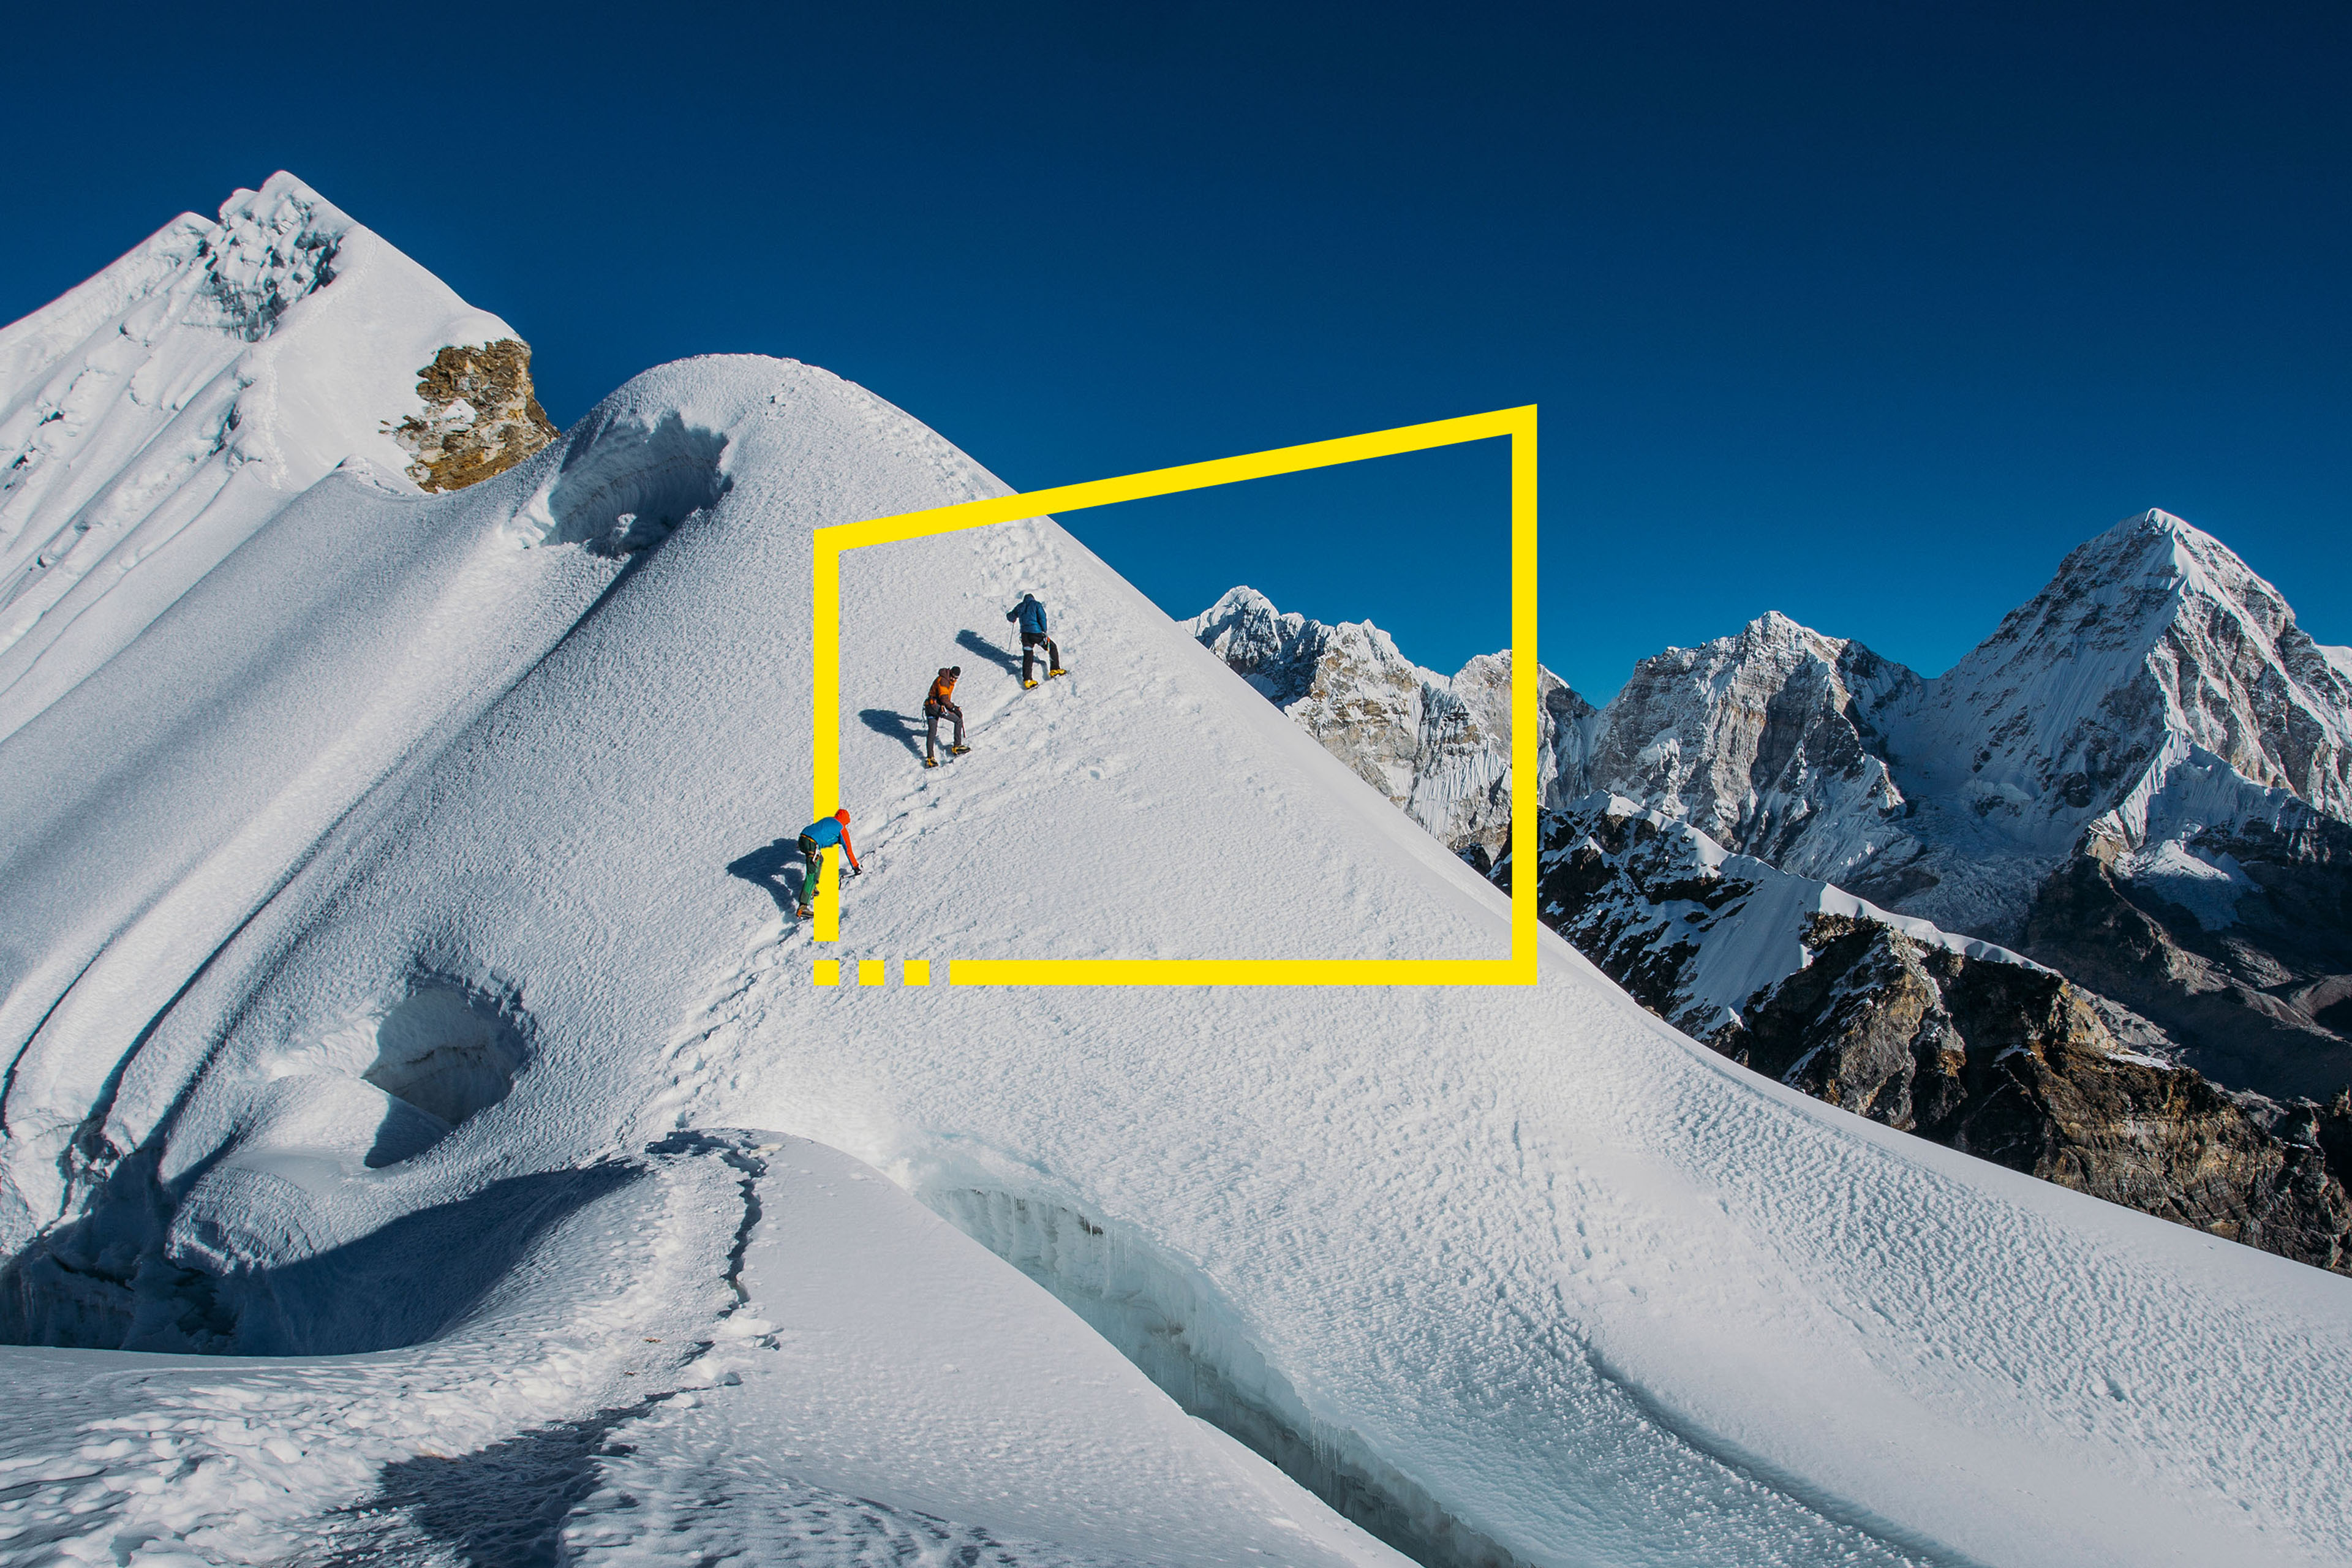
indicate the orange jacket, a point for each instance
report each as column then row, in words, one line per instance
column 942, row 689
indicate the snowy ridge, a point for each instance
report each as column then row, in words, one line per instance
column 423, row 947
column 154, row 417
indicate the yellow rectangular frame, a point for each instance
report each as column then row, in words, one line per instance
column 1520, row 969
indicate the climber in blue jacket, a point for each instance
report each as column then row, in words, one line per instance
column 1032, row 616
column 816, row 838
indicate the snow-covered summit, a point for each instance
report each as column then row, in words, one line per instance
column 152, row 418
column 2152, row 643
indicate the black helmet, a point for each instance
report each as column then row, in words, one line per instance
column 955, row 669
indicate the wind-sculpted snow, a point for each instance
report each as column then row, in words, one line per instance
column 153, row 418
column 1517, row 1274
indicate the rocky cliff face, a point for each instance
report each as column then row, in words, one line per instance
column 2015, row 1064
column 2239, row 942
column 1693, row 930
column 1767, row 742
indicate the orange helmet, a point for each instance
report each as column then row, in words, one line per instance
column 841, row 817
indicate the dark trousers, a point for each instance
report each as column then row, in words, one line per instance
column 815, row 859
column 1029, row 641
column 932, row 713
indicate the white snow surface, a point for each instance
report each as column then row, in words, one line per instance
column 372, row 937
column 154, row 417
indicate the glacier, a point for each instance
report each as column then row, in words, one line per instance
column 413, row 1082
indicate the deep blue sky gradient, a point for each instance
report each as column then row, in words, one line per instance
column 1864, row 313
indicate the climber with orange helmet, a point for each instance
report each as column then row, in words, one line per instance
column 816, row 838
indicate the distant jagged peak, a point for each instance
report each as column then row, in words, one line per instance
column 1779, row 644
column 1245, row 629
column 1767, row 740
column 1438, row 746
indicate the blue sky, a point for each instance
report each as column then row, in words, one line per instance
column 1863, row 313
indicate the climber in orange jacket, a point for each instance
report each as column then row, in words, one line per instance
column 940, row 704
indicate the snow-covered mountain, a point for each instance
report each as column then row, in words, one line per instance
column 1767, row 742
column 2140, row 778
column 154, row 417
column 1438, row 746
column 2083, row 714
column 395, row 968
column 2204, row 906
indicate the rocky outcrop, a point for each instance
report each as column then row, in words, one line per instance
column 2014, row 1065
column 2239, row 943
column 1691, row 929
column 480, row 415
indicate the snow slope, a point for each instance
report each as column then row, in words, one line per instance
column 154, row 417
column 858, row 1382
column 1517, row 1274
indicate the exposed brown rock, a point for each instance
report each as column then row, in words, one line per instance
column 2256, row 1005
column 480, row 417
column 2013, row 1065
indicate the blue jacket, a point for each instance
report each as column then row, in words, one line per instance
column 824, row 832
column 1030, row 614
